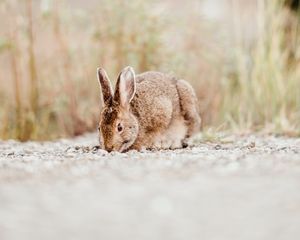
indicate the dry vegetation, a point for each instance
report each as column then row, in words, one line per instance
column 49, row 52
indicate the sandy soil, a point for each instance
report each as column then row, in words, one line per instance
column 242, row 188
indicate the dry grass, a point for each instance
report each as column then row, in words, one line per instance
column 262, row 91
column 49, row 53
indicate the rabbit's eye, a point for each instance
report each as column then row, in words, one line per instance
column 120, row 127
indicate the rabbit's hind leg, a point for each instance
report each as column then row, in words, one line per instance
column 189, row 108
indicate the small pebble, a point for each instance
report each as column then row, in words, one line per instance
column 218, row 147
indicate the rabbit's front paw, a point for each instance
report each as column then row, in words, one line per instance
column 168, row 143
column 176, row 144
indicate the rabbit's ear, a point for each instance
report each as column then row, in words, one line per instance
column 107, row 92
column 125, row 87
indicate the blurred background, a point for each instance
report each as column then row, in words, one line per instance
column 242, row 57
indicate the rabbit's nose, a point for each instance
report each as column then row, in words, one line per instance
column 109, row 148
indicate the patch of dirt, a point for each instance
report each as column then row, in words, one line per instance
column 242, row 188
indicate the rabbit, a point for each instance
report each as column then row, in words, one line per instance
column 147, row 111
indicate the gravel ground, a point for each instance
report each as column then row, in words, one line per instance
column 244, row 187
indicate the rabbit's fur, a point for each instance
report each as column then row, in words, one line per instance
column 147, row 111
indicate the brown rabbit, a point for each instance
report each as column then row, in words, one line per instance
column 147, row 111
